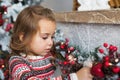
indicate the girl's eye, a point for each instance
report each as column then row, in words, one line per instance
column 44, row 38
column 53, row 37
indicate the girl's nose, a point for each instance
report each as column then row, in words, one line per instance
column 50, row 42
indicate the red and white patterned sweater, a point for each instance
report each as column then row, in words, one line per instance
column 22, row 68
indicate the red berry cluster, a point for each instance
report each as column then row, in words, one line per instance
column 9, row 27
column 69, row 63
column 108, row 65
column 2, row 10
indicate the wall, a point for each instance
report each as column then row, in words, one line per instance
column 89, row 36
column 90, row 29
column 58, row 5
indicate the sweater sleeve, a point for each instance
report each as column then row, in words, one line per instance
column 73, row 76
column 19, row 70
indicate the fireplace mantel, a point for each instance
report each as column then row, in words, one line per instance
column 111, row 16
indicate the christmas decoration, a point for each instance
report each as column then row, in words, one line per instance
column 4, row 72
column 104, row 60
column 107, row 64
column 67, row 57
column 66, row 54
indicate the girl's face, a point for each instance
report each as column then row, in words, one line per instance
column 42, row 41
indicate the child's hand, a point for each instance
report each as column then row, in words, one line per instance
column 84, row 74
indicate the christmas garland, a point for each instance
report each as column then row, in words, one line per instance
column 104, row 60
column 67, row 55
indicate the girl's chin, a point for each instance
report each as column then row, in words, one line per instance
column 44, row 54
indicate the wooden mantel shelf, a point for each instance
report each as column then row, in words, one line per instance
column 111, row 16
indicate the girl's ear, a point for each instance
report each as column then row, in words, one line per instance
column 21, row 37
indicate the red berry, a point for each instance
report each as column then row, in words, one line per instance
column 105, row 45
column 67, row 40
column 8, row 27
column 65, row 62
column 106, row 58
column 115, row 48
column 96, row 70
column 111, row 47
column 62, row 46
column 5, row 8
column 71, row 48
column 106, row 64
column 116, row 69
column 101, row 50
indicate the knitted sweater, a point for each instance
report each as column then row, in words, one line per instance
column 22, row 68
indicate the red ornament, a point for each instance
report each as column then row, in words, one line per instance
column 5, row 8
column 96, row 70
column 106, row 58
column 111, row 47
column 101, row 51
column 71, row 49
column 106, row 63
column 115, row 48
column 62, row 46
column 116, row 69
column 9, row 27
column 65, row 62
column 105, row 44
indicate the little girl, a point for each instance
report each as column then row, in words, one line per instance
column 31, row 44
